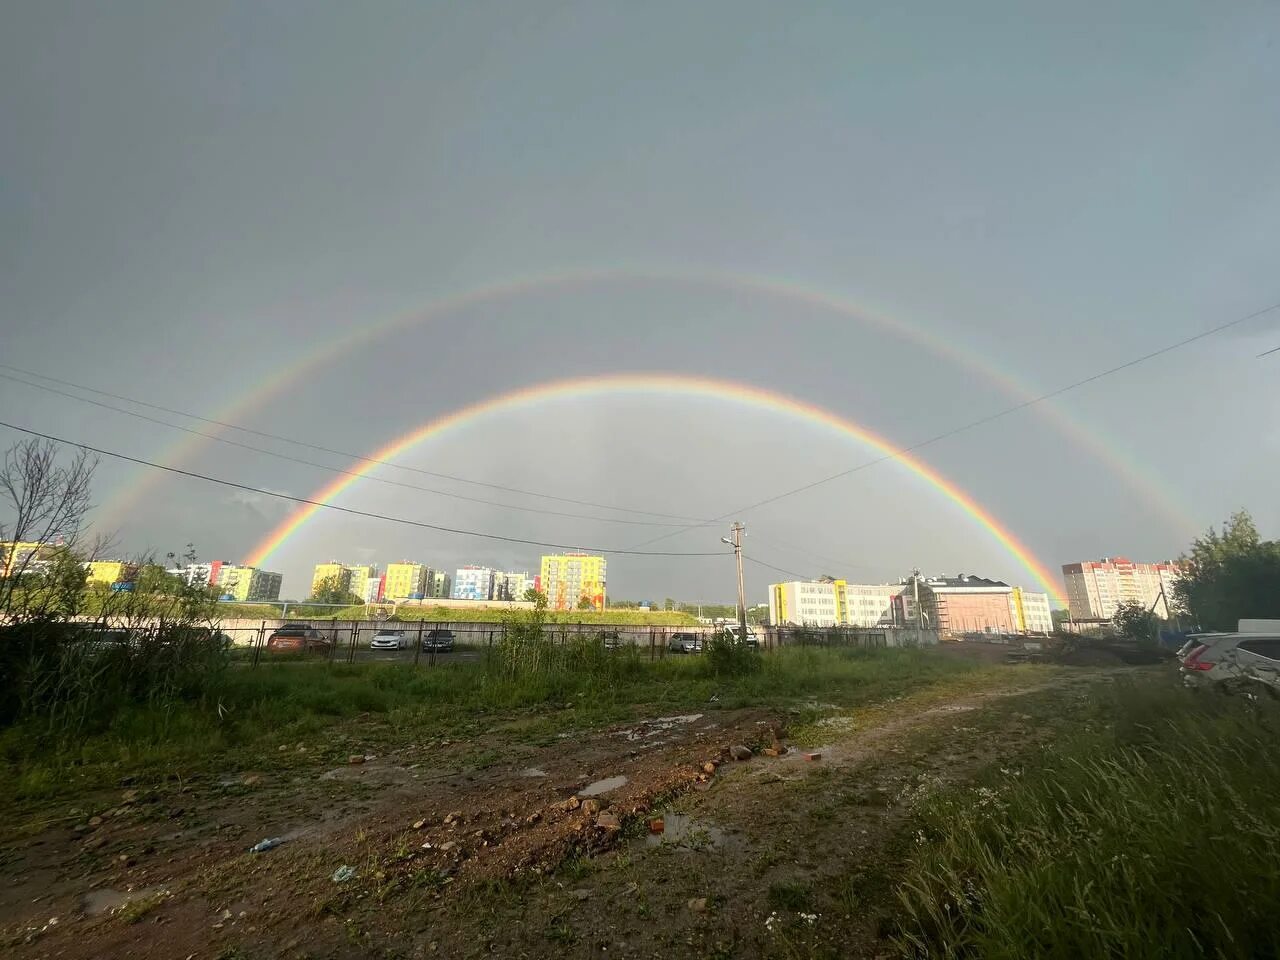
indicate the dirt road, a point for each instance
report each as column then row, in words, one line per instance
column 497, row 847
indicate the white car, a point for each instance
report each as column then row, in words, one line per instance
column 387, row 640
column 732, row 631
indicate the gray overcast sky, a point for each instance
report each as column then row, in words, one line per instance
column 195, row 196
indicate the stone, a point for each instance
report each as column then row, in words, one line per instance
column 708, row 767
column 698, row 904
column 129, row 796
column 453, row 817
column 532, row 818
column 609, row 822
column 95, row 821
column 573, row 803
column 591, row 806
column 419, row 824
column 740, row 752
column 356, row 758
column 771, row 752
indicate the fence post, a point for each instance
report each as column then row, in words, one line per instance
column 257, row 647
column 651, row 644
column 417, row 649
column 351, row 654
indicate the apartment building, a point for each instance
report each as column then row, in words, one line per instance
column 360, row 575
column 569, row 578
column 440, row 585
column 832, row 603
column 406, row 581
column 332, row 576
column 247, row 584
column 200, row 574
column 512, row 586
column 1096, row 589
column 473, row 583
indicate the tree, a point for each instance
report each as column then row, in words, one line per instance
column 586, row 603
column 1059, row 616
column 331, row 590
column 1230, row 576
column 1134, row 621
column 42, row 503
column 668, row 604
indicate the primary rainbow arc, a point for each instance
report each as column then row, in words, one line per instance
column 664, row 384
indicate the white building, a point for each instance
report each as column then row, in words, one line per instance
column 512, row 586
column 1096, row 589
column 1031, row 611
column 831, row 603
column 474, row 583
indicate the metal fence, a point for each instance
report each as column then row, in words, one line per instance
column 349, row 641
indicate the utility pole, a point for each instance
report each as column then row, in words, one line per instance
column 915, row 583
column 737, row 530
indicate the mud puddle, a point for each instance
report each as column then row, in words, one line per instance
column 603, row 786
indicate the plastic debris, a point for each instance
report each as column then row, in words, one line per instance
column 265, row 845
column 343, row 874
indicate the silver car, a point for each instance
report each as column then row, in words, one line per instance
column 1246, row 663
column 387, row 640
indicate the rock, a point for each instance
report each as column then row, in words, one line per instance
column 95, row 841
column 771, row 752
column 356, row 758
column 283, row 747
column 249, row 779
column 573, row 803
column 225, row 915
column 726, row 751
column 609, row 822
column 95, row 821
column 708, row 767
column 581, row 893
column 532, row 818
column 129, row 796
column 740, row 752
column 698, row 905
column 419, row 824
column 591, row 806
column 448, row 846
column 452, row 818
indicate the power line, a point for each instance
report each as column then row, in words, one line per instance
column 979, row 422
column 313, row 446
column 790, row 573
column 349, row 510
column 1265, row 353
column 338, row 470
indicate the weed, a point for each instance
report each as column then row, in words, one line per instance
column 135, row 910
column 1159, row 797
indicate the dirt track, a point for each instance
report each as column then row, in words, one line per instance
column 487, row 848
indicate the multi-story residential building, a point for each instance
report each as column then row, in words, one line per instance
column 512, row 586
column 831, row 603
column 473, row 583
column 200, row 574
column 360, row 575
column 109, row 571
column 374, row 588
column 332, row 576
column 406, row 581
column 248, row 584
column 25, row 557
column 1031, row 611
column 1096, row 589
column 967, row 604
column 440, row 585
column 569, row 578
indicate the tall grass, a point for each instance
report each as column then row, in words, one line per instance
column 1154, row 832
column 249, row 711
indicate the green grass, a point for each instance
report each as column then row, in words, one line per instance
column 1154, row 832
column 658, row 618
column 255, row 710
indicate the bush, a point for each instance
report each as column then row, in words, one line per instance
column 725, row 658
column 1154, row 833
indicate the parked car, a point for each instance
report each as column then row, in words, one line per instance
column 294, row 637
column 684, row 643
column 438, row 638
column 1246, row 663
column 732, row 631
column 387, row 640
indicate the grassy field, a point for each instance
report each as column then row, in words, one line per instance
column 256, row 709
column 1150, row 830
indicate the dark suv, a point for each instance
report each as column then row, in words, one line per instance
column 438, row 639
